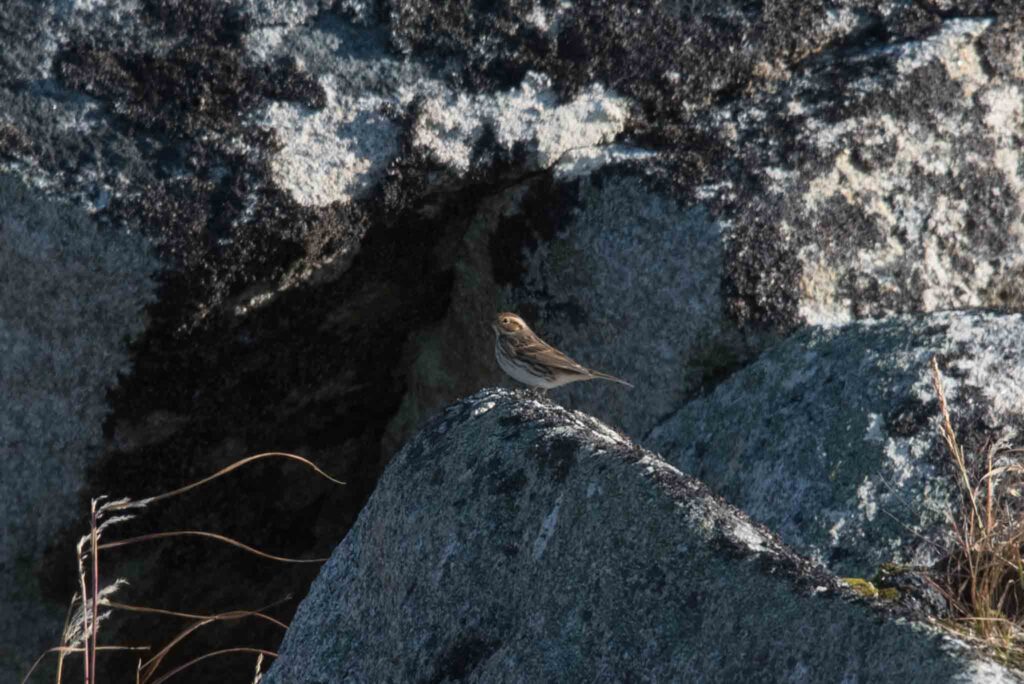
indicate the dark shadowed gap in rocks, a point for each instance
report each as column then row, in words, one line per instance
column 247, row 349
column 318, row 371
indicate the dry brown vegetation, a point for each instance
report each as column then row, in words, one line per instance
column 982, row 575
column 94, row 604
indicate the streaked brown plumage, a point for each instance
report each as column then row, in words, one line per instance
column 532, row 361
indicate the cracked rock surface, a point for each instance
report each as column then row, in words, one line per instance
column 514, row 540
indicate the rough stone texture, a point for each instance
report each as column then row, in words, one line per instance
column 513, row 540
column 831, row 438
column 299, row 180
column 143, row 117
column 341, row 192
column 898, row 187
column 874, row 177
column 341, row 150
column 610, row 269
column 529, row 116
column 71, row 297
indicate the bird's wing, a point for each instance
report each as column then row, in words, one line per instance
column 543, row 353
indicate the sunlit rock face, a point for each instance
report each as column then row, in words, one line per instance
column 512, row 539
column 284, row 224
column 832, row 438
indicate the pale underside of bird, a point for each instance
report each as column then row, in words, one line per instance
column 530, row 360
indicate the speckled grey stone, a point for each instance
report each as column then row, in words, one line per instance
column 869, row 182
column 629, row 283
column 831, row 438
column 341, row 151
column 71, row 297
column 888, row 181
column 515, row 541
column 660, row 193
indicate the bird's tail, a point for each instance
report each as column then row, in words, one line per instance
column 604, row 376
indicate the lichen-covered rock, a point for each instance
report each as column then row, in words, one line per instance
column 888, row 181
column 341, row 149
column 867, row 181
column 340, row 194
column 513, row 540
column 869, row 167
column 832, row 437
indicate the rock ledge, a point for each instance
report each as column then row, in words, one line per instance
column 513, row 540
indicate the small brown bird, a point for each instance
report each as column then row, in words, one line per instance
column 532, row 361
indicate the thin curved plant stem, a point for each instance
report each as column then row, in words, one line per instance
column 192, row 616
column 207, row 535
column 238, row 649
column 94, row 543
column 85, row 613
column 149, row 667
column 224, row 471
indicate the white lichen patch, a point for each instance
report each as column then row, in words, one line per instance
column 922, row 181
column 874, row 431
column 582, row 424
column 835, row 533
column 1005, row 105
column 854, row 185
column 779, row 177
column 820, row 303
column 866, row 503
column 1002, row 387
column 332, row 155
column 606, row 433
column 748, row 535
column 922, row 229
column 450, row 126
column 483, row 408
column 917, row 150
column 547, row 528
column 264, row 43
column 583, row 162
column 539, row 19
column 278, row 12
column 1005, row 121
column 548, row 19
column 953, row 47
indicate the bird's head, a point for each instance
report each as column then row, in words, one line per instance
column 506, row 323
